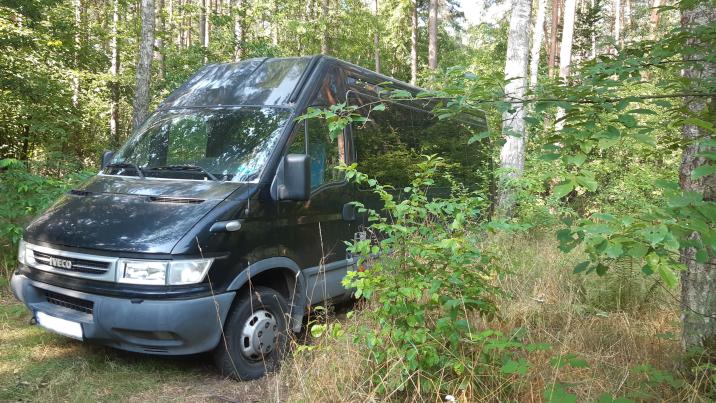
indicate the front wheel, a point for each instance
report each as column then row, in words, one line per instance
column 255, row 335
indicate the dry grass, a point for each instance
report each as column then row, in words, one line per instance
column 616, row 323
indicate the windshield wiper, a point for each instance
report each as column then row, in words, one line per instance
column 126, row 165
column 193, row 168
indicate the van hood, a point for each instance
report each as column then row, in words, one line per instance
column 116, row 213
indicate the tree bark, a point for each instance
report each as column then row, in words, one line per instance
column 537, row 35
column 698, row 281
column 414, row 43
column 159, row 40
column 554, row 31
column 114, row 84
column 77, row 4
column 140, row 106
column 376, row 37
column 204, row 27
column 238, row 30
column 512, row 155
column 326, row 22
column 433, row 35
column 617, row 24
column 565, row 51
column 655, row 18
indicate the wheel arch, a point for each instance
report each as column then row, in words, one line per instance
column 283, row 275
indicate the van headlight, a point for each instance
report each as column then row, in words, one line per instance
column 22, row 253
column 162, row 272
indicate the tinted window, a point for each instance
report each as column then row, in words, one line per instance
column 252, row 82
column 325, row 154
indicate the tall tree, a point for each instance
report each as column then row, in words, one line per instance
column 159, row 40
column 512, row 155
column 553, row 36
column 433, row 34
column 617, row 24
column 114, row 73
column 326, row 22
column 565, row 50
column 204, row 27
column 698, row 281
column 376, row 36
column 140, row 105
column 238, row 11
column 77, row 5
column 537, row 35
column 414, row 42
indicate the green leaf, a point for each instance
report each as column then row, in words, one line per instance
column 588, row 182
column 563, row 188
column 555, row 393
column 614, row 249
column 627, row 120
column 379, row 107
column 667, row 274
column 638, row 251
column 515, row 367
column 704, row 170
column 581, row 267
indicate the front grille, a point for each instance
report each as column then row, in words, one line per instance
column 76, row 304
column 78, row 265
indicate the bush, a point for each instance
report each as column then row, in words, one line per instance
column 23, row 195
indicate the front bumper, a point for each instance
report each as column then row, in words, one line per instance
column 167, row 327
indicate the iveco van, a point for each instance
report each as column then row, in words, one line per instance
column 223, row 218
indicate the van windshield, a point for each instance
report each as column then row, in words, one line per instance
column 220, row 144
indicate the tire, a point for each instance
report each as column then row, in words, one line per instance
column 245, row 351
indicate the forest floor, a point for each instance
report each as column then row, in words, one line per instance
column 36, row 365
column 623, row 324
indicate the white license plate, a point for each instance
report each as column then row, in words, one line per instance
column 59, row 325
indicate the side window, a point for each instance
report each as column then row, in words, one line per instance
column 387, row 146
column 325, row 154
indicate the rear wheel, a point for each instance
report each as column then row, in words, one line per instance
column 255, row 335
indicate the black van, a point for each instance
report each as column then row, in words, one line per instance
column 222, row 219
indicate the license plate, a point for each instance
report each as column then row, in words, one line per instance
column 58, row 325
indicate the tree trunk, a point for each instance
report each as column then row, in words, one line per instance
column 204, row 27
column 565, row 51
column 159, row 41
column 326, row 23
column 238, row 30
column 433, row 35
column 554, row 30
column 376, row 37
column 593, row 35
column 512, row 155
column 414, row 43
column 655, row 18
column 140, row 106
column 114, row 84
column 274, row 24
column 617, row 24
column 76, row 62
column 537, row 35
column 698, row 281
column 626, row 24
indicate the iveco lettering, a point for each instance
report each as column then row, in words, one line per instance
column 222, row 220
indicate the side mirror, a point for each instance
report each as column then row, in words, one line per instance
column 106, row 158
column 293, row 178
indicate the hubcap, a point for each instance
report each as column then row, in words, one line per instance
column 259, row 335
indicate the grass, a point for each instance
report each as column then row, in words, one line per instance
column 625, row 327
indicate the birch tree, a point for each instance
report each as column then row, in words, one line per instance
column 376, row 37
column 698, row 281
column 114, row 72
column 565, row 50
column 326, row 21
column 537, row 35
column 512, row 155
column 433, row 35
column 414, row 42
column 140, row 105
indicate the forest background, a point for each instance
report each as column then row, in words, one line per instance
column 602, row 113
